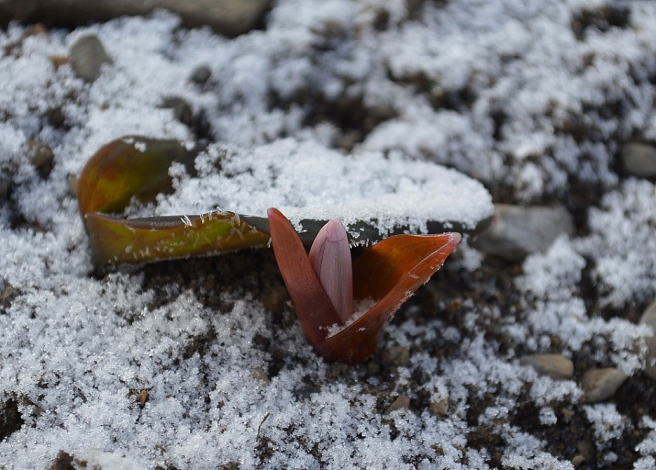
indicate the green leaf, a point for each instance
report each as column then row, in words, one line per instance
column 115, row 240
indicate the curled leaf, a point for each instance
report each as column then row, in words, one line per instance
column 138, row 167
column 388, row 273
column 128, row 167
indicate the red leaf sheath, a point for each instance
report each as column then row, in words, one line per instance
column 313, row 307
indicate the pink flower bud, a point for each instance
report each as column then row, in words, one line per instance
column 331, row 257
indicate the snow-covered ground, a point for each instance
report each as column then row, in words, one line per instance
column 200, row 364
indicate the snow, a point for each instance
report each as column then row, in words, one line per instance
column 492, row 89
column 607, row 422
column 308, row 181
column 624, row 243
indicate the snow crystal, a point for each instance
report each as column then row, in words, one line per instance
column 607, row 422
column 624, row 243
column 547, row 416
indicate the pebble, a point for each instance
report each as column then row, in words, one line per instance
column 201, row 74
column 401, row 402
column 229, row 17
column 40, row 155
column 7, row 294
column 600, row 384
column 396, row 356
column 517, row 231
column 554, row 365
column 649, row 316
column 87, row 57
column 578, row 460
column 182, row 110
column 439, row 407
column 639, row 159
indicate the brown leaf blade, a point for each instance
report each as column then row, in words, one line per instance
column 389, row 273
column 115, row 240
column 313, row 307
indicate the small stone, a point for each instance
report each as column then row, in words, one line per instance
column 40, row 155
column 396, row 356
column 439, row 407
column 516, row 231
column 401, row 402
column 578, row 460
column 639, row 159
column 182, row 110
column 200, row 75
column 229, row 17
column 553, row 365
column 56, row 117
column 649, row 316
column 7, row 294
column 601, row 384
column 87, row 57
column 259, row 373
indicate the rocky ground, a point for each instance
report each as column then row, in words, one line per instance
column 532, row 348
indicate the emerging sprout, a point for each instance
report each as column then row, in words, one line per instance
column 331, row 257
column 320, row 285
